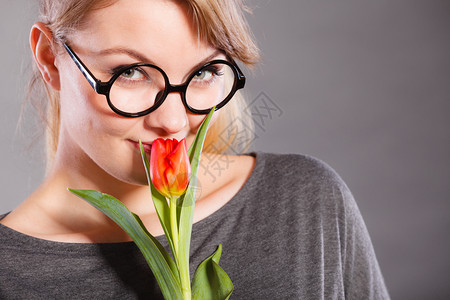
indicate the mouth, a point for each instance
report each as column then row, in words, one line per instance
column 146, row 145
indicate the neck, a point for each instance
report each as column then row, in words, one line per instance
column 65, row 213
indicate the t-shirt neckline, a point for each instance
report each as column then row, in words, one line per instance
column 23, row 240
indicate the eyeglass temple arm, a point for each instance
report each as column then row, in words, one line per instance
column 241, row 76
column 84, row 70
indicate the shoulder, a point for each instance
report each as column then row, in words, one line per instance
column 294, row 163
column 305, row 187
column 298, row 171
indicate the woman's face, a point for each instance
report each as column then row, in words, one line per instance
column 129, row 31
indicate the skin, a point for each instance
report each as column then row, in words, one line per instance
column 96, row 149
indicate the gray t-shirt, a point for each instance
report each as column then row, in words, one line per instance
column 293, row 231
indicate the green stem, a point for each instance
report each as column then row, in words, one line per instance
column 174, row 226
column 183, row 270
column 185, row 281
column 186, row 293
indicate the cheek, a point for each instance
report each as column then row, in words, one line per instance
column 82, row 107
column 92, row 129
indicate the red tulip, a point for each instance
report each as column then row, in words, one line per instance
column 170, row 169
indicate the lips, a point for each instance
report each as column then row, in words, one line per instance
column 146, row 145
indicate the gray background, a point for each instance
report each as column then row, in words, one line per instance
column 362, row 85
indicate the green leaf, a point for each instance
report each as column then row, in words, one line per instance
column 159, row 201
column 201, row 133
column 163, row 251
column 187, row 201
column 210, row 281
column 156, row 256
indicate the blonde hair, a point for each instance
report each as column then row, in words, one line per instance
column 220, row 23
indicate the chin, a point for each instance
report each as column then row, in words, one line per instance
column 128, row 174
column 135, row 177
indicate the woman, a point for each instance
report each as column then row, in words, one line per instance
column 288, row 224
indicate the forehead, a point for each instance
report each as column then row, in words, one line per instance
column 159, row 28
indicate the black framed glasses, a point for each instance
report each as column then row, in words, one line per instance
column 138, row 89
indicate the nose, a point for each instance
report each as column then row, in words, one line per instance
column 170, row 117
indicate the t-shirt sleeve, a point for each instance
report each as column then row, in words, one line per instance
column 317, row 213
column 361, row 272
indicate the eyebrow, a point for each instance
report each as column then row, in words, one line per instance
column 119, row 50
column 142, row 58
column 207, row 59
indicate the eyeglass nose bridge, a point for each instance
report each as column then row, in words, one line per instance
column 177, row 88
column 170, row 88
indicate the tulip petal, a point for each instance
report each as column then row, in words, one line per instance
column 170, row 167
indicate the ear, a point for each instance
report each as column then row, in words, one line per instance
column 41, row 40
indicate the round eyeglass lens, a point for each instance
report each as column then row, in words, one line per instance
column 210, row 86
column 136, row 89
